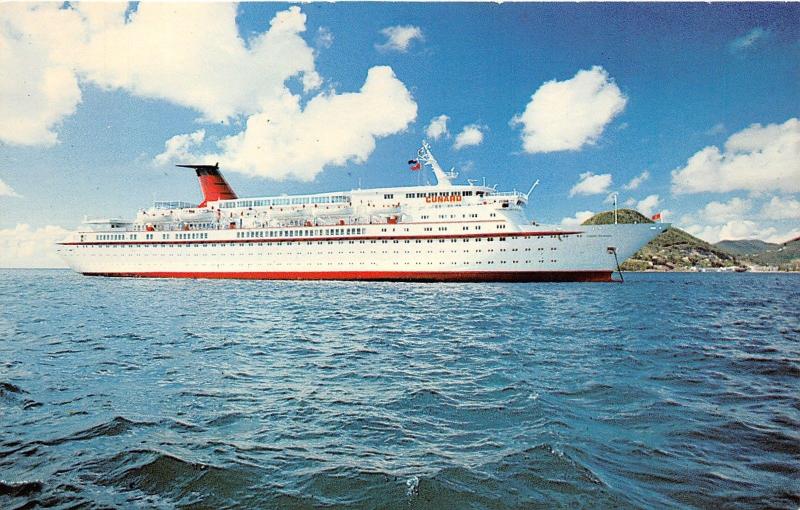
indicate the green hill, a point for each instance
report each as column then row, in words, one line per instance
column 786, row 256
column 623, row 216
column 745, row 247
column 674, row 249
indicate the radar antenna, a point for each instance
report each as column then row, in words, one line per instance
column 426, row 157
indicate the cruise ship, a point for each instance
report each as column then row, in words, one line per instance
column 434, row 232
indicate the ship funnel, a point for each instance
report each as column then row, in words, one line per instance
column 212, row 183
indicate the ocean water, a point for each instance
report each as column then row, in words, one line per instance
column 667, row 391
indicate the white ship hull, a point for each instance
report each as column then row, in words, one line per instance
column 417, row 252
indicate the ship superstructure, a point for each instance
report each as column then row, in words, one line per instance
column 437, row 232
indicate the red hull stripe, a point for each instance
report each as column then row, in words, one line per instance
column 328, row 238
column 397, row 276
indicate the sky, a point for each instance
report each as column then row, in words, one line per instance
column 690, row 110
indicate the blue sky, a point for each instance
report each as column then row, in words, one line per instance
column 701, row 99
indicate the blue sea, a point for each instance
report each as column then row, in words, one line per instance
column 667, row 391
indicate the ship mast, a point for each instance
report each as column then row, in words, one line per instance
column 442, row 177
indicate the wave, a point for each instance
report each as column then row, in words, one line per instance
column 6, row 387
column 171, row 477
column 116, row 426
column 20, row 489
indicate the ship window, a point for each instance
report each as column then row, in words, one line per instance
column 388, row 196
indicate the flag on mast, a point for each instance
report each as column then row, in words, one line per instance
column 656, row 217
column 414, row 165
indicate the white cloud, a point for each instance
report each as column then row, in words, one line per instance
column 324, row 37
column 208, row 68
column 783, row 237
column 566, row 115
column 758, row 158
column 469, row 136
column 289, row 141
column 731, row 230
column 37, row 83
column 733, row 219
column 716, row 129
column 466, row 167
column 578, row 219
column 24, row 246
column 637, row 181
column 630, row 202
column 6, row 190
column 46, row 51
column 438, row 127
column 648, row 205
column 400, row 37
column 749, row 40
column 779, row 209
column 179, row 147
column 591, row 184
column 721, row 212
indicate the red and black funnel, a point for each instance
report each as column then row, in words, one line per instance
column 212, row 183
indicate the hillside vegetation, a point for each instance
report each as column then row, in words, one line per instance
column 746, row 247
column 784, row 256
column 674, row 249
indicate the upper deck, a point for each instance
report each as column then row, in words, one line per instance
column 358, row 206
